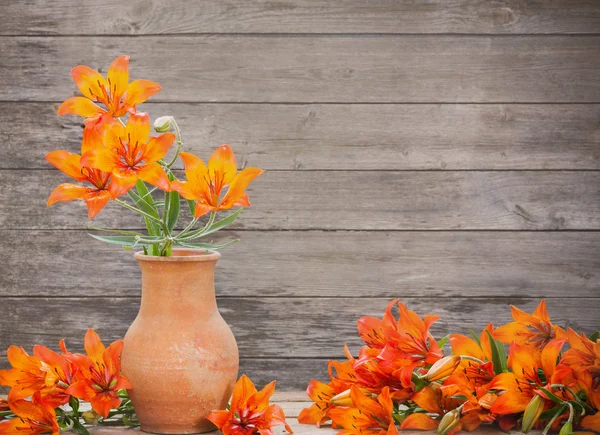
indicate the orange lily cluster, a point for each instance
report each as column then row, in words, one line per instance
column 42, row 382
column 249, row 411
column 118, row 153
column 401, row 379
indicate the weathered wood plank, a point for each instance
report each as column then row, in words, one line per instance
column 304, row 16
column 336, row 264
column 362, row 136
column 348, row 200
column 274, row 327
column 318, row 69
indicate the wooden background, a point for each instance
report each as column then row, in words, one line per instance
column 444, row 152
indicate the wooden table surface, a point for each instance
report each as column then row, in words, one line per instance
column 292, row 403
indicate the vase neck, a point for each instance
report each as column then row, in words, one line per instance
column 184, row 287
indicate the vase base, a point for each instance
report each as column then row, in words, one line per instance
column 159, row 431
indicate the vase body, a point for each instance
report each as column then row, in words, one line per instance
column 179, row 354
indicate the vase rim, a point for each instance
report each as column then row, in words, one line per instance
column 181, row 255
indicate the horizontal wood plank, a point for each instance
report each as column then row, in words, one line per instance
column 331, row 136
column 315, row 264
column 348, row 200
column 311, row 69
column 301, row 16
column 274, row 327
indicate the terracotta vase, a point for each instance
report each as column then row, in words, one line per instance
column 179, row 354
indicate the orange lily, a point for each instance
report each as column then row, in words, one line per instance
column 591, row 422
column 368, row 416
column 206, row 183
column 520, row 385
column 321, row 394
column 249, row 411
column 534, row 330
column 99, row 377
column 115, row 92
column 129, row 153
column 32, row 418
column 584, row 358
column 405, row 344
column 480, row 374
column 95, row 197
column 26, row 376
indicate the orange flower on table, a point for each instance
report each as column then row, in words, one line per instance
column 518, row 388
column 99, row 377
column 205, row 184
column 32, row 418
column 115, row 92
column 95, row 197
column 129, row 154
column 584, row 359
column 481, row 374
column 405, row 343
column 367, row 416
column 321, row 394
column 533, row 330
column 249, row 411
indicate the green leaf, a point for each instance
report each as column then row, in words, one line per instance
column 443, row 341
column 192, row 206
column 174, row 206
column 551, row 396
column 74, row 404
column 80, row 429
column 498, row 354
column 210, row 246
column 594, row 336
column 475, row 337
column 127, row 240
column 214, row 227
column 144, row 201
column 549, row 413
column 108, row 230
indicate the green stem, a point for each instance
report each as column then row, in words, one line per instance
column 6, row 413
column 549, row 425
column 471, row 358
column 137, row 210
column 211, row 220
column 179, row 143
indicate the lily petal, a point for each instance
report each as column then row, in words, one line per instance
column 222, row 161
column 138, row 129
column 67, row 192
column 93, row 345
column 90, row 83
column 154, row 174
column 419, row 421
column 80, row 106
column 157, row 147
column 118, row 78
column 66, row 162
column 239, row 185
column 139, row 91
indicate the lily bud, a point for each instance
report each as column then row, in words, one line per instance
column 567, row 429
column 449, row 421
column 443, row 368
column 163, row 124
column 532, row 413
column 90, row 417
column 342, row 399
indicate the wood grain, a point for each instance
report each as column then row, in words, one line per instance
column 347, row 69
column 348, row 200
column 344, row 137
column 274, row 327
column 142, row 17
column 334, row 264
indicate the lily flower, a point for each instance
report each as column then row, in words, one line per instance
column 26, row 376
column 368, row 416
column 205, row 184
column 99, row 377
column 32, row 418
column 249, row 411
column 129, row 154
column 521, row 385
column 532, row 330
column 321, row 394
column 115, row 92
column 95, row 197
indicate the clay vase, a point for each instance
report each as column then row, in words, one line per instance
column 179, row 354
